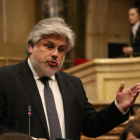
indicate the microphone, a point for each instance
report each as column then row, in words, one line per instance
column 29, row 115
column 29, row 111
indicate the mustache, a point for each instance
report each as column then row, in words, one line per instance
column 51, row 59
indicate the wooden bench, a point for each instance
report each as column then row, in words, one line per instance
column 104, row 137
column 111, row 135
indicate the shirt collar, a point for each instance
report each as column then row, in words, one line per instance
column 136, row 26
column 35, row 74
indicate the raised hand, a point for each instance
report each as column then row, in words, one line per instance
column 126, row 98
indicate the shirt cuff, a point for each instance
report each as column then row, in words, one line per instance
column 34, row 138
column 120, row 109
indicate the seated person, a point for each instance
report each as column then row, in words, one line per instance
column 15, row 136
column 131, row 131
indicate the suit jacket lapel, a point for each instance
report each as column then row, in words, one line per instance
column 132, row 39
column 30, row 85
column 137, row 36
column 66, row 96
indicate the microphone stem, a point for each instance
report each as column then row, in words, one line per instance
column 29, row 125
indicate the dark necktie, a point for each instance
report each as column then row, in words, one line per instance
column 55, row 130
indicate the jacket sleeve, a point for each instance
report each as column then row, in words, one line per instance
column 98, row 123
column 3, row 128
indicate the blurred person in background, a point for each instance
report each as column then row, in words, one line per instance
column 131, row 131
column 134, row 18
column 15, row 136
column 136, row 116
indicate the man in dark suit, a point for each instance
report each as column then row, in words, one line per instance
column 134, row 18
column 59, row 104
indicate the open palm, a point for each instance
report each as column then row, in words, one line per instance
column 126, row 98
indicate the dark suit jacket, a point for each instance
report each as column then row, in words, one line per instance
column 18, row 90
column 136, row 43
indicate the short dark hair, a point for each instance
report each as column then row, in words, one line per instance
column 134, row 127
column 137, row 9
column 15, row 136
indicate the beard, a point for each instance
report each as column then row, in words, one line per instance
column 39, row 66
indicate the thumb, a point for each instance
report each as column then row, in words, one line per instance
column 121, row 86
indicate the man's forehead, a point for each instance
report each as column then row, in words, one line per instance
column 52, row 38
column 132, row 10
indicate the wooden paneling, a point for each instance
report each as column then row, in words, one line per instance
column 4, row 61
column 102, row 77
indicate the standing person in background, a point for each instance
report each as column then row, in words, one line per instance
column 134, row 18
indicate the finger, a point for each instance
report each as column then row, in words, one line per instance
column 134, row 97
column 133, row 87
column 137, row 91
column 137, row 94
column 121, row 86
column 137, row 88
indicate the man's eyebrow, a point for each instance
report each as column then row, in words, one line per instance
column 50, row 42
column 63, row 46
column 54, row 43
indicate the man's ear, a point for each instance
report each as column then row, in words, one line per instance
column 31, row 47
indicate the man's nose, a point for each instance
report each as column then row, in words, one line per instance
column 55, row 53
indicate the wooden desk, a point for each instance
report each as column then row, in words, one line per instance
column 102, row 77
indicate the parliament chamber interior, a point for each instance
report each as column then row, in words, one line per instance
column 102, row 30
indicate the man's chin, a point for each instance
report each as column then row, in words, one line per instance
column 52, row 67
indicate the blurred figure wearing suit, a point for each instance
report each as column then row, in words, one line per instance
column 134, row 18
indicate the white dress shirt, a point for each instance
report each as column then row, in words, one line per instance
column 134, row 29
column 57, row 97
